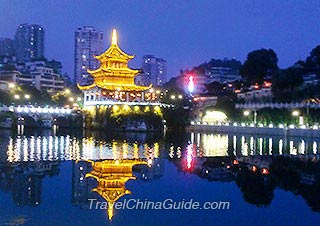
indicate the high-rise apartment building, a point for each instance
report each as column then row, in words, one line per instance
column 29, row 42
column 88, row 43
column 154, row 70
column 6, row 47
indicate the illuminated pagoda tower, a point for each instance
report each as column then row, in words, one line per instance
column 114, row 80
column 112, row 176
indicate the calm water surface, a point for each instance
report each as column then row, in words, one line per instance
column 49, row 178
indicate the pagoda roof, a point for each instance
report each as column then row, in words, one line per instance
column 115, row 87
column 114, row 73
column 119, row 71
column 114, row 51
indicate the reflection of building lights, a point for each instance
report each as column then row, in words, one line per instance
column 189, row 156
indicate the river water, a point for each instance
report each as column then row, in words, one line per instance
column 79, row 177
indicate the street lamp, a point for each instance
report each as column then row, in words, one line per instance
column 300, row 117
column 67, row 91
column 247, row 113
column 71, row 99
column 295, row 113
column 16, row 96
column 173, row 97
column 78, row 98
column 27, row 96
column 11, row 85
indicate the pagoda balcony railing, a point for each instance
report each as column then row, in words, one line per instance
column 118, row 102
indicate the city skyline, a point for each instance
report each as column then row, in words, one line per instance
column 164, row 30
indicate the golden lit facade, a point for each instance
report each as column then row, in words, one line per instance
column 114, row 80
column 112, row 176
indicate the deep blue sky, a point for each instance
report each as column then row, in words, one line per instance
column 185, row 33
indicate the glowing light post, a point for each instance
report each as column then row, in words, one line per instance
column 255, row 117
column 300, row 117
column 247, row 113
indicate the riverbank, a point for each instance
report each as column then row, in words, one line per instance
column 298, row 132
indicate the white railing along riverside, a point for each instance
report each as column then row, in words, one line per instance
column 277, row 105
column 38, row 110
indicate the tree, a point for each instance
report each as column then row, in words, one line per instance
column 313, row 60
column 259, row 64
column 285, row 84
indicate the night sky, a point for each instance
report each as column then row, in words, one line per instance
column 185, row 33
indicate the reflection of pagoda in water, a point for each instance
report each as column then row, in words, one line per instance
column 112, row 176
column 114, row 80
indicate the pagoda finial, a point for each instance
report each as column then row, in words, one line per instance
column 114, row 40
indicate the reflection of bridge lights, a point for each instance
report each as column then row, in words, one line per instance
column 219, row 148
column 314, row 147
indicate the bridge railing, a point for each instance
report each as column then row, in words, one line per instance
column 36, row 110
